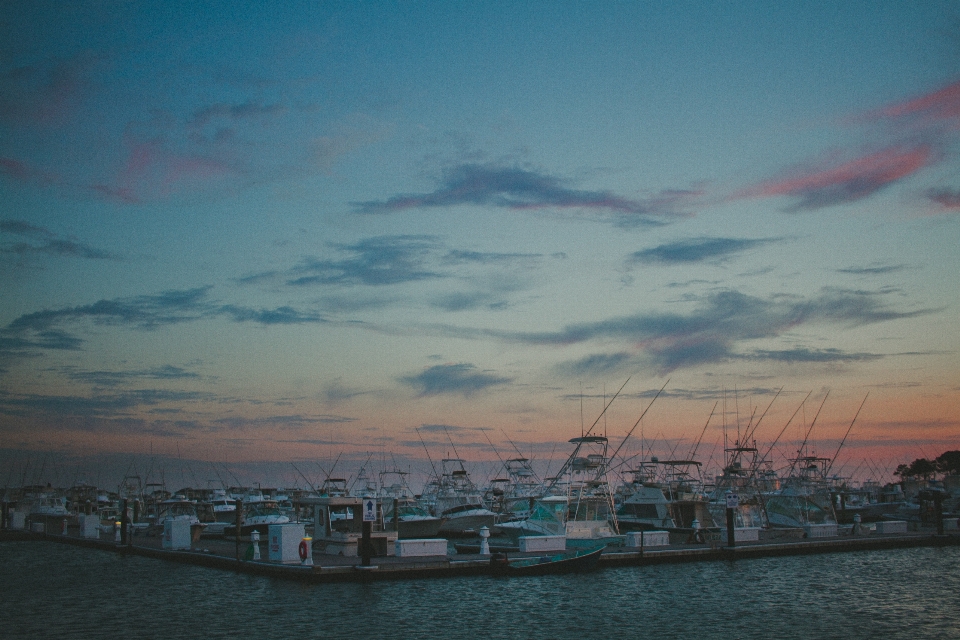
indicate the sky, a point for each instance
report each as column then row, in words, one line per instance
column 270, row 242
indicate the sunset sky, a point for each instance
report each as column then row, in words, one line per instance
column 235, row 238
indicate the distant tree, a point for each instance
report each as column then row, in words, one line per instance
column 922, row 468
column 949, row 462
column 919, row 468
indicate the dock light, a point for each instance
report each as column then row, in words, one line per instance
column 116, row 528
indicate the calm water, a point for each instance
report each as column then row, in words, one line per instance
column 57, row 591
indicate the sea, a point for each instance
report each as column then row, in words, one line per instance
column 49, row 590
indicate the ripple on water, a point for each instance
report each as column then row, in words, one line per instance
column 52, row 590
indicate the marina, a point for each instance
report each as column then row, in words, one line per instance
column 233, row 555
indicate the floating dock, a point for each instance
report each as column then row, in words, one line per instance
column 229, row 555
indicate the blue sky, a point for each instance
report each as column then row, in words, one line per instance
column 255, row 234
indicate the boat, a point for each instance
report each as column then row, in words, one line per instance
column 257, row 515
column 512, row 497
column 577, row 560
column 665, row 495
column 578, row 503
column 457, row 500
column 401, row 511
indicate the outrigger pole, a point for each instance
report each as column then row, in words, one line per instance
column 834, row 459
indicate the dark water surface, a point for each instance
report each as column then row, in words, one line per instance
column 49, row 590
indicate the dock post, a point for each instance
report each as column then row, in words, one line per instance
column 124, row 532
column 365, row 543
column 396, row 516
column 733, row 502
column 239, row 520
column 255, row 543
column 484, row 541
column 938, row 511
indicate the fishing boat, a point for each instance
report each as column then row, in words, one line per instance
column 512, row 497
column 579, row 504
column 401, row 511
column 257, row 515
column 458, row 501
column 576, row 560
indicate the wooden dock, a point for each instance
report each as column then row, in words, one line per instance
column 229, row 556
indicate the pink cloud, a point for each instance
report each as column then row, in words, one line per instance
column 23, row 172
column 152, row 171
column 943, row 104
column 847, row 182
column 947, row 199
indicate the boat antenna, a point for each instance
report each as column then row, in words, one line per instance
column 602, row 413
column 834, row 459
column 773, row 444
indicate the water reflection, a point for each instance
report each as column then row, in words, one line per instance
column 54, row 590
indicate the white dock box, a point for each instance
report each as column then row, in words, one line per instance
column 18, row 520
column 89, row 526
column 283, row 541
column 648, row 539
column 418, row 547
column 892, row 526
column 826, row 530
column 950, row 524
column 744, row 534
column 543, row 543
column 176, row 534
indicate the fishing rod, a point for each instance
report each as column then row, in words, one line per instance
column 774, row 443
column 809, row 431
column 696, row 445
column 629, row 433
column 606, row 407
column 429, row 459
column 832, row 460
column 751, row 432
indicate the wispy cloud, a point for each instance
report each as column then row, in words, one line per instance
column 942, row 105
column 598, row 365
column 714, row 331
column 54, row 329
column 876, row 270
column 697, row 250
column 519, row 189
column 384, row 260
column 116, row 378
column 101, row 405
column 280, row 315
column 461, row 379
column 38, row 240
column 946, row 199
column 802, row 355
column 831, row 182
column 295, row 420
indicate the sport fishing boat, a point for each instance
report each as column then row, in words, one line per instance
column 578, row 503
column 401, row 511
column 459, row 502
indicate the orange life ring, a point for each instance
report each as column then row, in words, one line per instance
column 304, row 550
